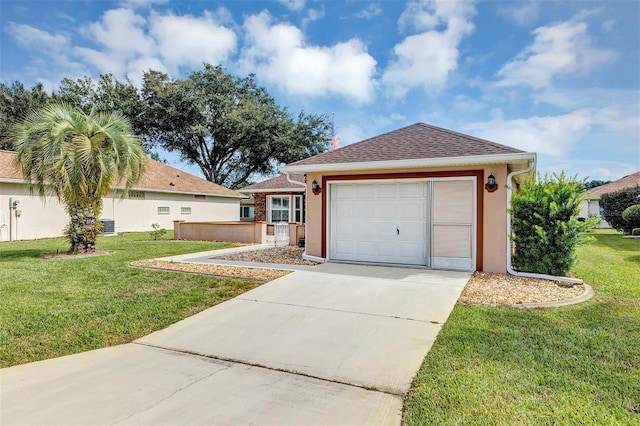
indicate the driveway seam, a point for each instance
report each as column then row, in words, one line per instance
column 177, row 391
column 339, row 310
column 281, row 370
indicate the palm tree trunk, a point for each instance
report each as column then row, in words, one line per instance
column 84, row 226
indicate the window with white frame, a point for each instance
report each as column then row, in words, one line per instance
column 298, row 215
column 246, row 212
column 185, row 210
column 164, row 210
column 136, row 195
column 279, row 208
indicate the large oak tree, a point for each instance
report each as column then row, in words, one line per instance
column 230, row 127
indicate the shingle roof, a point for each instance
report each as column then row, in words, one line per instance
column 630, row 181
column 417, row 141
column 158, row 177
column 277, row 183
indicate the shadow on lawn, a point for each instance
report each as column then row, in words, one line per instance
column 11, row 255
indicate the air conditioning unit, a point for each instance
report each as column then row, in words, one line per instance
column 108, row 226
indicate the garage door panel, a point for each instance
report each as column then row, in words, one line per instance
column 388, row 222
column 451, row 241
column 412, row 190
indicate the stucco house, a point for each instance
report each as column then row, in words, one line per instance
column 420, row 195
column 279, row 199
column 591, row 205
column 163, row 195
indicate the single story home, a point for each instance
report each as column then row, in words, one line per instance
column 279, row 199
column 420, row 195
column 163, row 195
column 591, row 205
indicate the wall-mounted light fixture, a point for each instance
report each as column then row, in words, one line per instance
column 315, row 187
column 491, row 184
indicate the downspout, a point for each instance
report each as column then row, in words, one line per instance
column 510, row 270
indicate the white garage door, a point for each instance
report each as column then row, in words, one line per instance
column 429, row 222
column 379, row 222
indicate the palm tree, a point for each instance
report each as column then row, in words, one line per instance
column 79, row 158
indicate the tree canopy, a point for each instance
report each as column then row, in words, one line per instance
column 15, row 103
column 229, row 127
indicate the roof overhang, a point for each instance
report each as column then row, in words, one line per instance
column 254, row 191
column 162, row 191
column 470, row 160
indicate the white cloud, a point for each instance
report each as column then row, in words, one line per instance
column 427, row 59
column 312, row 15
column 30, row 37
column 131, row 44
column 369, row 12
column 523, row 13
column 560, row 49
column 279, row 54
column 550, row 135
column 190, row 41
column 293, row 4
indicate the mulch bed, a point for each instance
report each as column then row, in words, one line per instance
column 288, row 255
column 258, row 274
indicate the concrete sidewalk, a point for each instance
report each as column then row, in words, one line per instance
column 336, row 345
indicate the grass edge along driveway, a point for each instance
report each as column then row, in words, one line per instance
column 573, row 365
column 56, row 307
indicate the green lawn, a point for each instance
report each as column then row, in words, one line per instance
column 54, row 307
column 573, row 365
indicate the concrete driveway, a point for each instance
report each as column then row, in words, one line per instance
column 336, row 345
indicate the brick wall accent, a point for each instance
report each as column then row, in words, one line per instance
column 260, row 207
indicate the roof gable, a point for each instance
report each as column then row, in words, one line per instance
column 417, row 141
column 158, row 177
column 278, row 184
column 630, row 181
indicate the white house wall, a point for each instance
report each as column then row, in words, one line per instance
column 138, row 214
column 39, row 218
column 47, row 218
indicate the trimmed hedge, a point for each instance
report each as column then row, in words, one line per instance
column 631, row 215
column 546, row 227
column 615, row 203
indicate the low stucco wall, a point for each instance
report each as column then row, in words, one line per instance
column 232, row 232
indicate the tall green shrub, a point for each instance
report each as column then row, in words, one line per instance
column 545, row 226
column 615, row 203
column 631, row 215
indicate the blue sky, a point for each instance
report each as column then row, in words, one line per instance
column 560, row 78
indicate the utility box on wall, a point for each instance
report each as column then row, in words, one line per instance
column 108, row 226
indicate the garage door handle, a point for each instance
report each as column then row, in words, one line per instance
column 397, row 230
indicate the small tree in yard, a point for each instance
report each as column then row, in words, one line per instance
column 615, row 203
column 545, row 228
column 79, row 158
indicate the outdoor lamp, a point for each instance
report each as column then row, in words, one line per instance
column 491, row 183
column 315, row 187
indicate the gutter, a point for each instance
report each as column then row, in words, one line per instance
column 522, row 157
column 510, row 270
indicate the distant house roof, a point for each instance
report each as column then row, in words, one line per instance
column 407, row 145
column 278, row 184
column 630, row 181
column 158, row 177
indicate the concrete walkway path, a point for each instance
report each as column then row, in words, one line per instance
column 338, row 344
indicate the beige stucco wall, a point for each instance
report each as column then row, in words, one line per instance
column 494, row 212
column 48, row 219
column 233, row 232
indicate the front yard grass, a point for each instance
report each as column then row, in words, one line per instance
column 573, row 365
column 55, row 307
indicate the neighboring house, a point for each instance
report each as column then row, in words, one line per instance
column 419, row 196
column 163, row 195
column 591, row 205
column 278, row 199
